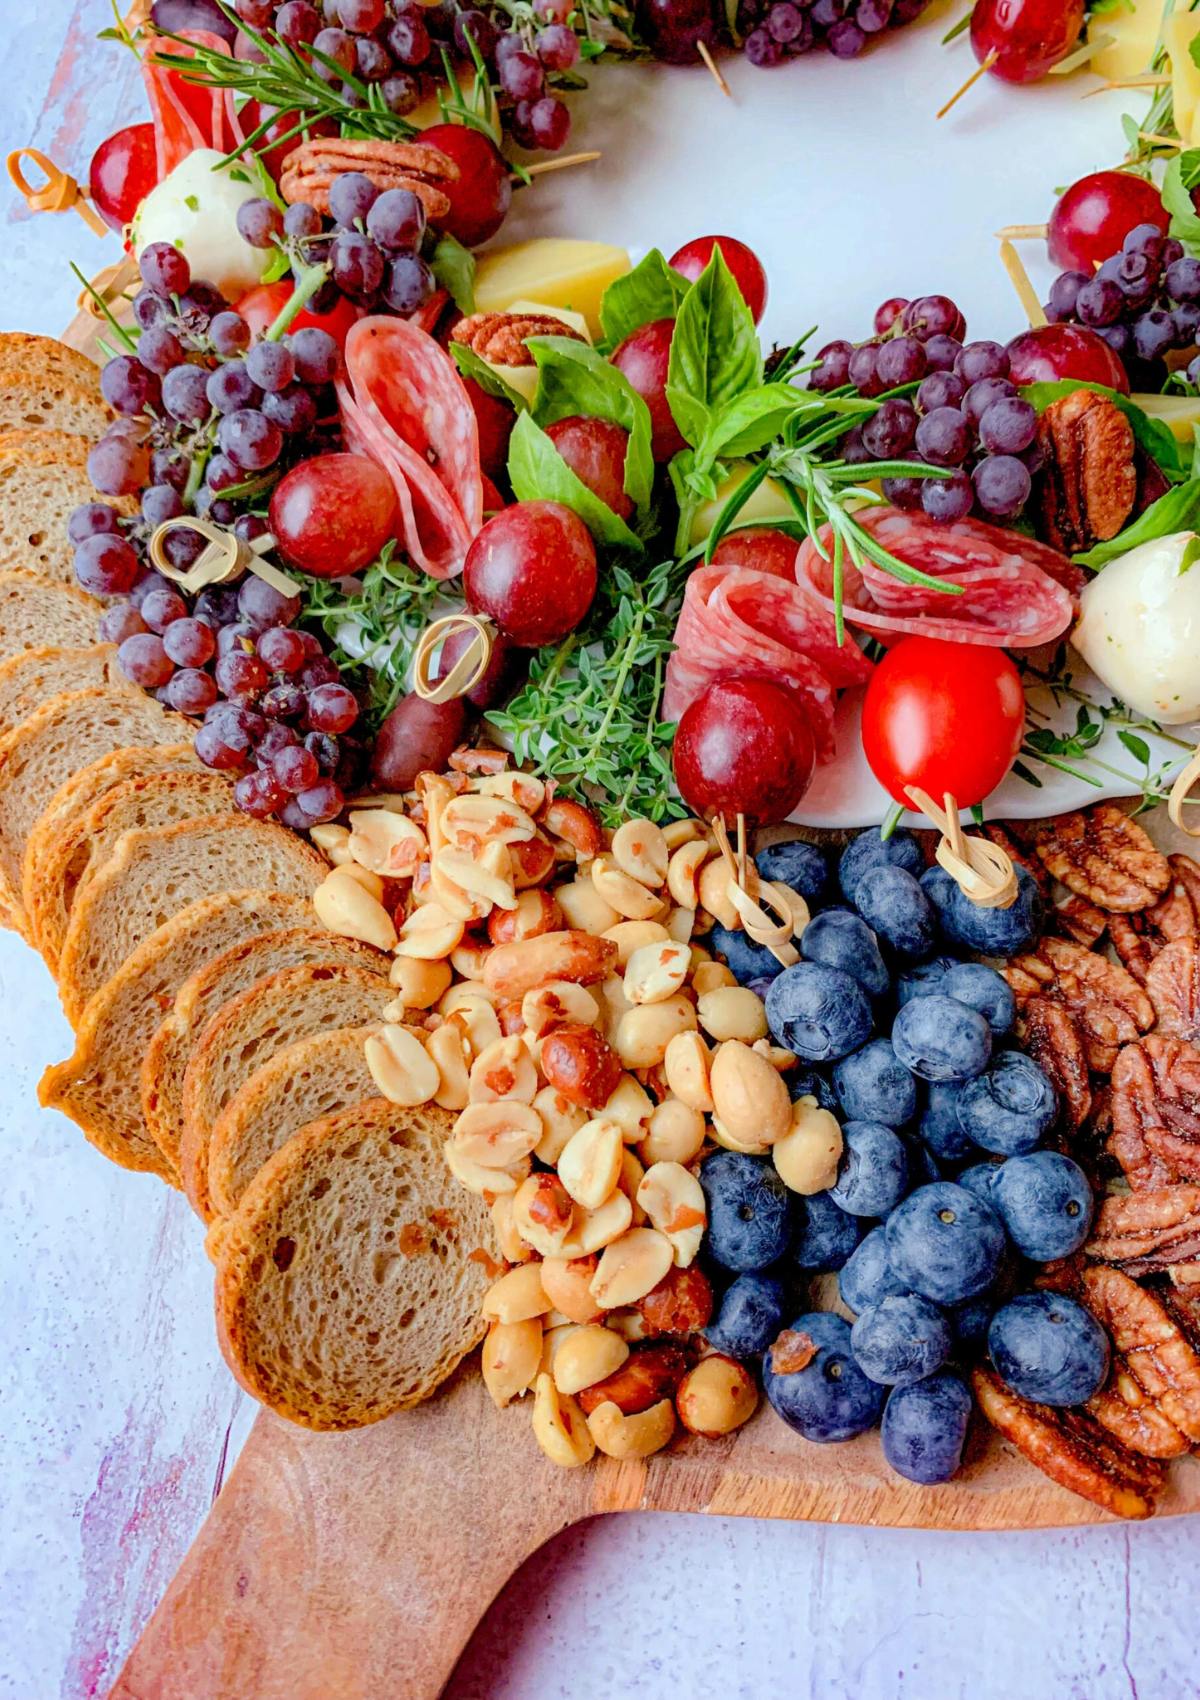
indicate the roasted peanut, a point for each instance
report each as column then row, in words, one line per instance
column 709, row 977
column 559, row 1004
column 345, row 908
column 533, row 862
column 675, row 1134
column 629, row 1180
column 656, row 972
column 619, row 1436
column 510, row 1358
column 733, row 1012
column 640, row 850
column 400, row 1065
column 683, row 873
column 488, row 1183
column 630, row 1266
column 560, row 1119
column 806, row 1158
column 445, row 1046
column 595, row 1229
column 496, row 1135
column 512, row 1247
column 628, row 896
column 472, row 821
column 673, row 1200
column 681, row 923
column 584, row 908
column 567, row 1284
column 387, row 843
column 503, row 1070
column 613, row 1003
column 479, row 1023
column 370, row 882
column 643, row 1033
column 587, row 1356
column 576, row 825
column 468, row 957
column 516, row 1296
column 534, row 912
column 542, row 1213
column 559, row 1426
column 526, row 790
column 650, row 1373
column 687, row 1064
column 430, row 933
column 332, row 841
column 714, row 892
column 629, row 936
column 716, row 1397
column 631, row 1106
column 750, row 1101
column 590, row 1164
column 677, row 832
column 680, row 1304
column 512, row 970
column 580, row 1063
column 419, row 985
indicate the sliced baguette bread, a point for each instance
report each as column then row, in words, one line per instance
column 34, row 401
column 349, row 1280
column 28, row 679
column 65, row 734
column 97, row 1086
column 152, row 875
column 272, row 1013
column 307, row 1080
column 88, row 840
column 217, row 983
column 43, row 475
column 34, row 612
column 22, row 351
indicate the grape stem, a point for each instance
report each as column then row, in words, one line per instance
column 308, row 282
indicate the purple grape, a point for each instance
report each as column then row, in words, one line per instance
column 904, row 493
column 947, row 499
column 977, row 360
column 162, row 607
column 550, row 122
column 940, row 389
column 185, row 394
column 784, row 22
column 250, row 526
column 408, row 38
column 763, row 50
column 249, row 439
column 258, row 795
column 159, row 349
column 1099, row 302
column 188, row 641
column 114, row 465
column 1064, row 293
column 301, row 221
column 241, row 677
column 260, row 605
column 332, row 708
column 164, row 269
column 271, row 366
column 322, row 801
column 397, row 220
column 889, row 434
column 1119, row 338
column 231, row 387
column 259, row 222
column 119, row 622
column 943, row 437
column 1002, row 485
column 901, row 360
column 873, row 15
column 106, row 564
column 931, row 315
column 295, row 768
column 237, row 638
column 472, row 26
column 522, row 75
column 834, row 368
column 372, row 61
column 293, row 411
column 401, row 93
column 217, row 746
column 1008, row 426
column 190, row 691
column 183, row 548
column 150, row 310
column 297, row 23
column 1187, row 322
column 160, row 502
column 1183, row 280
column 170, row 466
column 356, row 264
column 128, row 386
column 285, row 701
column 408, row 283
column 216, row 605
column 1154, row 334
column 144, row 661
column 275, row 738
column 319, row 671
column 861, row 370
column 280, row 649
column 558, row 47
column 336, row 50
column 221, row 474
column 1144, row 239
column 93, row 519
column 325, row 748
column 1172, row 250
column 941, row 352
column 845, row 40
column 315, row 353
column 854, row 451
column 980, row 397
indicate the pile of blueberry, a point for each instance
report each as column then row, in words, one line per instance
column 946, row 1190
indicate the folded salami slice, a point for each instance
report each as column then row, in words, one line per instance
column 185, row 115
column 1015, row 593
column 403, row 403
column 738, row 623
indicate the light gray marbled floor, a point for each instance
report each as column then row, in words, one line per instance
column 114, row 1406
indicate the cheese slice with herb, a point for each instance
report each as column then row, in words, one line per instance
column 555, row 271
column 1132, row 28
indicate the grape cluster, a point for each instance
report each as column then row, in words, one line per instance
column 964, row 414
column 778, row 30
column 1144, row 301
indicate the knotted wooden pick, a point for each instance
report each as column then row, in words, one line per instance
column 471, row 665
column 981, row 870
column 59, row 193
column 225, row 556
column 115, row 283
column 1179, row 798
column 775, row 935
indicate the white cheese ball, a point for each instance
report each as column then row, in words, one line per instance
column 1139, row 628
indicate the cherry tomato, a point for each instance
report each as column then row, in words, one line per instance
column 744, row 747
column 744, row 264
column 947, row 717
column 123, row 171
column 262, row 306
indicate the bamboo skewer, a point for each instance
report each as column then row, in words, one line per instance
column 545, row 166
column 713, row 69
column 969, row 84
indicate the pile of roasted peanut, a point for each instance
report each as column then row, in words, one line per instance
column 551, row 992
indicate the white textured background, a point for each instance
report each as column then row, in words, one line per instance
column 116, row 1414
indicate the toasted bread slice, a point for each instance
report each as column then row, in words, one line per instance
column 152, row 875
column 22, row 351
column 28, row 679
column 36, row 401
column 34, row 612
column 312, row 1078
column 215, row 984
column 350, row 1278
column 43, row 475
column 98, row 1085
column 245, row 1032
column 67, row 733
column 87, row 841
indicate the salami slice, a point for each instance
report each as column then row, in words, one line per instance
column 185, row 115
column 1014, row 593
column 403, row 403
column 738, row 623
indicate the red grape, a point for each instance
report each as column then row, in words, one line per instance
column 161, row 607
column 189, row 643
column 1026, row 37
column 332, row 708
column 281, row 650
column 643, row 358
column 595, row 451
column 482, row 194
column 492, row 686
column 295, row 768
column 123, row 171
column 242, row 677
column 887, row 313
column 533, row 570
column 743, row 263
column 744, row 747
column 416, row 737
column 106, row 565
column 259, row 795
column 495, row 419
column 332, row 515
column 1093, row 217
column 117, row 623
column 322, row 801
column 1048, row 352
column 674, row 28
column 144, row 661
column 191, row 691
column 260, row 605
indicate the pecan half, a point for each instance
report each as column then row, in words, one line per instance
column 310, row 169
column 501, row 337
column 1173, row 986
column 1103, row 855
column 1142, row 1232
column 1109, row 1007
column 1049, row 1034
column 1155, row 1369
column 1089, row 481
column 1072, row 1449
column 1137, row 939
column 1081, row 920
column 1156, row 1112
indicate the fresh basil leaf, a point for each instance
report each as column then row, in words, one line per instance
column 681, row 468
column 472, row 365
column 574, row 379
column 538, row 473
column 1180, row 179
column 752, row 420
column 1153, row 436
column 454, row 268
column 1178, row 510
column 650, row 291
column 715, row 353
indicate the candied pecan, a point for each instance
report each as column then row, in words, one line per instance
column 501, row 337
column 1182, row 1304
column 1152, row 1397
column 1137, row 939
column 1142, row 1232
column 1156, row 1111
column 1052, row 1039
column 1002, row 836
column 1081, row 920
column 650, row 1373
column 1173, row 987
column 1103, row 855
column 1072, row 1449
column 1089, row 481
column 1109, row 1007
column 310, row 169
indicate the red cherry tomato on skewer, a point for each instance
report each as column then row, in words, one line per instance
column 945, row 717
column 262, row 306
column 1093, row 217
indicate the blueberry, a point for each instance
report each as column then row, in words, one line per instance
column 873, row 1173
column 762, row 985
column 827, row 1234
column 981, row 988
column 923, row 1166
column 1010, row 1108
column 939, row 888
column 746, row 960
column 1047, row 1347
column 751, row 1214
column 1045, row 1203
column 869, row 850
column 925, row 1428
column 945, row 1243
column 941, row 1039
column 801, row 866
column 748, row 1317
column 890, row 900
column 939, row 1126
column 978, row 1180
column 994, row 932
column 901, row 1339
column 874, row 1086
column 811, row 1083
column 842, row 940
column 923, row 978
column 818, row 1012
column 867, row 1276
column 969, row 1321
column 830, row 1398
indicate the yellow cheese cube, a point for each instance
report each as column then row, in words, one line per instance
column 555, row 270
column 1134, row 38
column 1179, row 31
column 769, row 502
